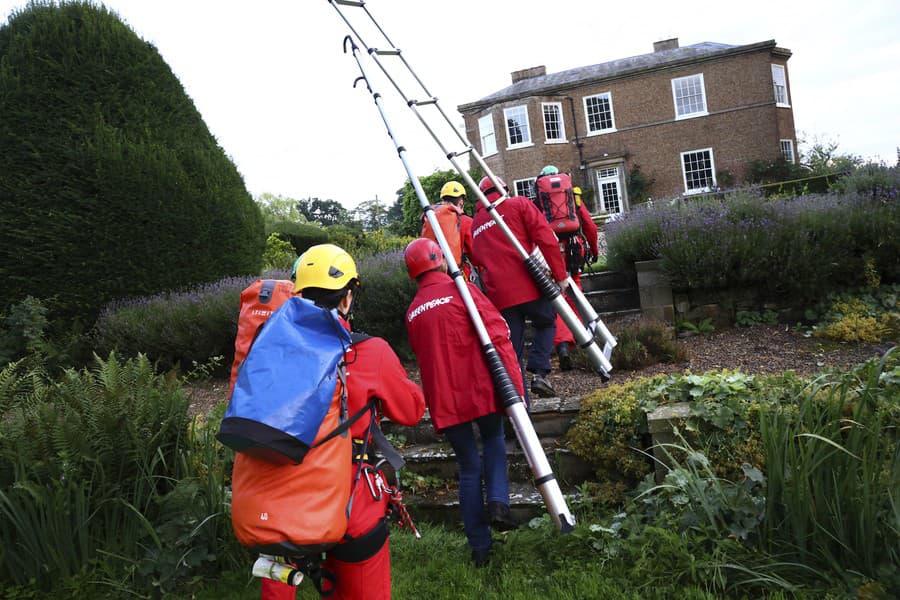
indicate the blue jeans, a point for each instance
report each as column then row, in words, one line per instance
column 471, row 487
column 543, row 318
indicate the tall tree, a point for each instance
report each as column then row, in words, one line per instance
column 821, row 156
column 111, row 185
column 431, row 185
column 323, row 212
column 371, row 215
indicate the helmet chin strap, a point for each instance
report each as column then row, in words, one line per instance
column 346, row 301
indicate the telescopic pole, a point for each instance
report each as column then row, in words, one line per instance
column 542, row 279
column 513, row 403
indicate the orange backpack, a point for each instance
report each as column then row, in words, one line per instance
column 287, row 422
column 293, row 510
column 448, row 218
column 258, row 301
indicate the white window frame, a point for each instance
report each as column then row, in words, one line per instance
column 518, row 114
column 561, row 124
column 587, row 119
column 712, row 172
column 525, row 187
column 779, row 85
column 486, row 135
column 678, row 84
column 609, row 174
column 787, row 151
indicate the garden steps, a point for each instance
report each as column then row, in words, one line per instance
column 430, row 455
column 612, row 293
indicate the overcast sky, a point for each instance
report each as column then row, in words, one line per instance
column 276, row 89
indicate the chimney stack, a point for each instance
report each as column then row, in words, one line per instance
column 669, row 44
column 518, row 76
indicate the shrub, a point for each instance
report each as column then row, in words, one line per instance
column 869, row 314
column 102, row 469
column 743, row 240
column 386, row 293
column 177, row 329
column 645, row 343
column 112, row 185
column 778, row 170
column 23, row 329
column 833, row 473
column 722, row 423
column 749, row 318
column 301, row 235
column 872, row 179
column 279, row 254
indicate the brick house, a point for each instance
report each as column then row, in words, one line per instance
column 690, row 118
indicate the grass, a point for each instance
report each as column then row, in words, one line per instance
column 529, row 563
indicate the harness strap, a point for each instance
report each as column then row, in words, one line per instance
column 340, row 429
column 363, row 547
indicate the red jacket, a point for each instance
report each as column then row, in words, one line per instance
column 588, row 228
column 465, row 234
column 506, row 280
column 458, row 385
column 374, row 371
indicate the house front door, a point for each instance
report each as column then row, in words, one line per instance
column 609, row 191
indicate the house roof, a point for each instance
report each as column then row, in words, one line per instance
column 622, row 67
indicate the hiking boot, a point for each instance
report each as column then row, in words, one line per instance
column 542, row 387
column 565, row 359
column 481, row 558
column 500, row 518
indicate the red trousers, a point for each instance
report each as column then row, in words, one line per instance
column 367, row 579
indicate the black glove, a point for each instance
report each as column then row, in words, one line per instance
column 591, row 258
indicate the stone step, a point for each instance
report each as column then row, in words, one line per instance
column 550, row 417
column 442, row 506
column 614, row 299
column 437, row 460
column 607, row 280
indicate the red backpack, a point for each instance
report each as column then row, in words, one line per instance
column 557, row 201
column 448, row 218
column 258, row 301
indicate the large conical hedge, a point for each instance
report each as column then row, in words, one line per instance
column 111, row 185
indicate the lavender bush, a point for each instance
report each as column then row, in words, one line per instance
column 187, row 328
column 385, row 295
column 800, row 246
column 178, row 329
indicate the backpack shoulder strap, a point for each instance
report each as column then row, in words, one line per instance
column 357, row 337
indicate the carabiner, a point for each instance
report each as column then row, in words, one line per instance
column 374, row 486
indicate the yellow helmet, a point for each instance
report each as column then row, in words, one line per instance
column 454, row 189
column 324, row 266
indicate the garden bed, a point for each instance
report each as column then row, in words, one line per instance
column 758, row 349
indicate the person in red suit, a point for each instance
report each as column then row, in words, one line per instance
column 458, row 230
column 563, row 340
column 327, row 275
column 508, row 283
column 459, row 389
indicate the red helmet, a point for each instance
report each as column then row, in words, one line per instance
column 422, row 255
column 487, row 186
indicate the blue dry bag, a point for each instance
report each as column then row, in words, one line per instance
column 286, row 384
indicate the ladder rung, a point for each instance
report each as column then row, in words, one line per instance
column 349, row 2
column 463, row 153
column 391, row 52
column 423, row 102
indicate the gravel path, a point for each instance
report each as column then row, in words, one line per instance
column 758, row 349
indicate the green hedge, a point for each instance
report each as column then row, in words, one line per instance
column 110, row 182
